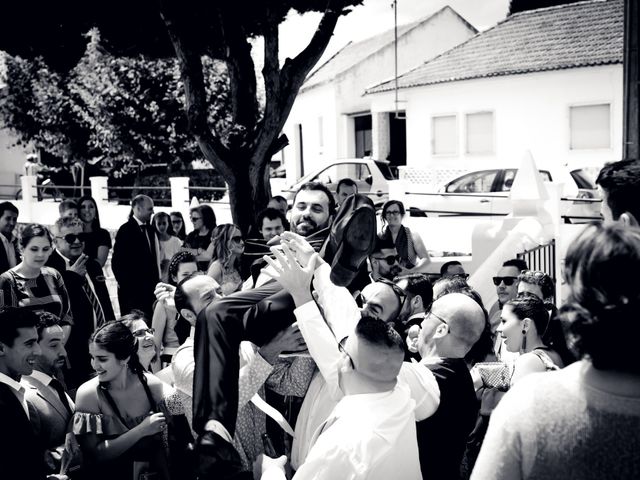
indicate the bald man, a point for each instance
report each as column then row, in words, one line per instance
column 371, row 432
column 135, row 259
column 449, row 330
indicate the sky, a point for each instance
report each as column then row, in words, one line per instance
column 376, row 16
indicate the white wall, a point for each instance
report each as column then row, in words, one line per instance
column 12, row 159
column 531, row 111
column 339, row 99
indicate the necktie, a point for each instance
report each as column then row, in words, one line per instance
column 57, row 386
column 148, row 232
column 95, row 304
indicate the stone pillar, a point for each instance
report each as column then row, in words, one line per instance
column 380, row 135
column 179, row 193
column 99, row 190
column 29, row 194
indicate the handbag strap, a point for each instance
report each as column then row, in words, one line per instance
column 114, row 406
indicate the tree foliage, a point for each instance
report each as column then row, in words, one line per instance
column 516, row 6
column 239, row 147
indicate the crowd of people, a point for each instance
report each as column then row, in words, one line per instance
column 313, row 347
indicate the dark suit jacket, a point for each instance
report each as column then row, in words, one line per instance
column 4, row 261
column 21, row 453
column 78, row 344
column 135, row 269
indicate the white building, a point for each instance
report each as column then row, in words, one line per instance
column 332, row 119
column 548, row 80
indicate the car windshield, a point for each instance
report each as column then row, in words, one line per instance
column 582, row 179
column 386, row 171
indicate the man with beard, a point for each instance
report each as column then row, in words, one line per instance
column 52, row 406
column 257, row 315
column 384, row 261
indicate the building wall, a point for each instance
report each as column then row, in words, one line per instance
column 338, row 101
column 531, row 112
column 12, row 159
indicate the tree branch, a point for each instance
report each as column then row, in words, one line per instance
column 195, row 98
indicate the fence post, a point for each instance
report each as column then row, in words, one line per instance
column 179, row 193
column 99, row 190
column 29, row 194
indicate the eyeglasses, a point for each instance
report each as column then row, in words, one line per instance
column 343, row 350
column 392, row 212
column 143, row 331
column 72, row 237
column 176, row 222
column 508, row 281
column 439, row 318
column 391, row 259
column 193, row 219
column 237, row 239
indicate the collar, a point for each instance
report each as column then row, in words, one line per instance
column 7, row 380
column 41, row 377
column 10, row 239
column 138, row 221
column 66, row 260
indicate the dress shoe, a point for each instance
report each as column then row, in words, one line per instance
column 352, row 238
column 218, row 459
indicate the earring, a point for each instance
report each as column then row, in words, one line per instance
column 523, row 347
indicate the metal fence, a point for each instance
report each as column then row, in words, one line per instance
column 541, row 258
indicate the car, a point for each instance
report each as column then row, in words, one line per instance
column 371, row 176
column 486, row 192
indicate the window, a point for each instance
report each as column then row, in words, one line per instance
column 589, row 127
column 335, row 173
column 510, row 176
column 480, row 133
column 444, row 135
column 363, row 128
column 476, row 182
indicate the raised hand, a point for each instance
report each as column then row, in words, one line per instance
column 80, row 265
column 293, row 277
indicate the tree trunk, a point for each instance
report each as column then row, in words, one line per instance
column 249, row 193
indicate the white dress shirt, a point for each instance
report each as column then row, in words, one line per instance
column 10, row 250
column 322, row 336
column 18, row 390
column 46, row 379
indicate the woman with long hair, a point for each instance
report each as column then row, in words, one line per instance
column 528, row 328
column 33, row 285
column 97, row 241
column 227, row 249
column 168, row 243
column 122, row 415
column 581, row 421
column 198, row 241
column 177, row 223
column 147, row 353
column 412, row 253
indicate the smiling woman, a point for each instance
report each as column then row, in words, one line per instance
column 33, row 285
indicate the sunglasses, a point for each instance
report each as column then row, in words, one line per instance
column 237, row 239
column 343, row 350
column 508, row 281
column 391, row 259
column 142, row 332
column 193, row 219
column 72, row 237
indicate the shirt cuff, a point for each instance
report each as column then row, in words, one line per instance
column 306, row 310
column 216, row 427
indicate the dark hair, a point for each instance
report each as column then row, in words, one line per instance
column 13, row 318
column 4, row 206
column 34, row 230
column 67, row 204
column 317, row 186
column 454, row 284
column 177, row 260
column 208, row 216
column 445, row 266
column 418, row 284
column 279, row 198
column 549, row 328
column 270, row 214
column 348, row 183
column 621, row 184
column 95, row 223
column 182, row 233
column 516, row 262
column 543, row 280
column 601, row 311
column 46, row 320
column 380, row 333
column 160, row 215
column 391, row 203
column 382, row 243
column 115, row 337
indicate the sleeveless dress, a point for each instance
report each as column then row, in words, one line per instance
column 149, row 454
column 404, row 245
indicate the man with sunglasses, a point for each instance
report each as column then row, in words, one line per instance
column 88, row 294
column 506, row 282
column 384, row 260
